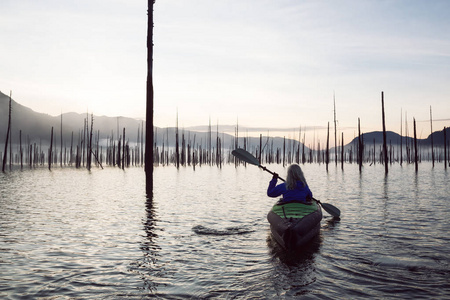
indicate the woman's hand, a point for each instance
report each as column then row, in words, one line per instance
column 275, row 176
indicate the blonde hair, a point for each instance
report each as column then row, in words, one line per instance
column 294, row 174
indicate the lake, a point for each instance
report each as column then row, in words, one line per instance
column 73, row 234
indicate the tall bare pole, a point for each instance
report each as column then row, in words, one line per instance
column 149, row 109
column 432, row 148
column 10, row 144
column 415, row 146
column 7, row 135
column 342, row 151
column 177, row 145
column 50, row 154
column 123, row 150
column 142, row 143
column 335, row 131
column 61, row 162
column 360, row 146
column 327, row 157
column 21, row 151
column 445, row 148
column 384, row 136
column 401, row 138
column 89, row 151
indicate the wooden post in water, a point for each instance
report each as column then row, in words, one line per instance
column 149, row 109
column 360, row 146
column 123, row 150
column 384, row 136
column 445, row 148
column 21, row 151
column 209, row 143
column 219, row 149
column 50, row 156
column 84, row 141
column 342, row 151
column 401, row 139
column 142, row 143
column 415, row 145
column 432, row 148
column 327, row 157
column 260, row 148
column 10, row 146
column 303, row 149
column 71, row 150
column 7, row 134
column 119, row 155
column 61, row 162
column 374, row 153
column 335, row 131
column 89, row 146
column 177, row 150
column 30, row 162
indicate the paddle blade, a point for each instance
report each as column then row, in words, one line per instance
column 245, row 156
column 331, row 209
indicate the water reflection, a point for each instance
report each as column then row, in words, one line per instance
column 148, row 266
column 294, row 257
column 385, row 188
column 294, row 271
column 416, row 186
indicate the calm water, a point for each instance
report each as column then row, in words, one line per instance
column 71, row 234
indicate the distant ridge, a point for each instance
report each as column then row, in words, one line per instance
column 37, row 126
column 394, row 138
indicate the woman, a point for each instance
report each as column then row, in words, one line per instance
column 295, row 189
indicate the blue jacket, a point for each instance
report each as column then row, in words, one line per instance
column 300, row 193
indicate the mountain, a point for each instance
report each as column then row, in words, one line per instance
column 37, row 126
column 394, row 138
column 438, row 137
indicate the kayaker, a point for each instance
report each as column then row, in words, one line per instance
column 295, row 189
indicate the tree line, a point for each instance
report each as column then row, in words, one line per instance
column 86, row 149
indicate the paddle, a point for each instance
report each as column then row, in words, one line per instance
column 249, row 158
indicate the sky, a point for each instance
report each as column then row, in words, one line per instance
column 276, row 65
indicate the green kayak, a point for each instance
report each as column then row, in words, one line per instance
column 294, row 224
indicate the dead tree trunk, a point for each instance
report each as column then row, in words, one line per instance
column 415, row 146
column 401, row 139
column 123, row 151
column 445, row 148
column 50, row 156
column 360, row 146
column 61, row 163
column 89, row 154
column 432, row 148
column 21, row 151
column 327, row 158
column 149, row 109
column 384, row 136
column 177, row 146
column 5, row 154
column 335, row 132
column 342, row 151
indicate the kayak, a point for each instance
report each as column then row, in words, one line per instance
column 294, row 224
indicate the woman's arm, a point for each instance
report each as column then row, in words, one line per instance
column 275, row 190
